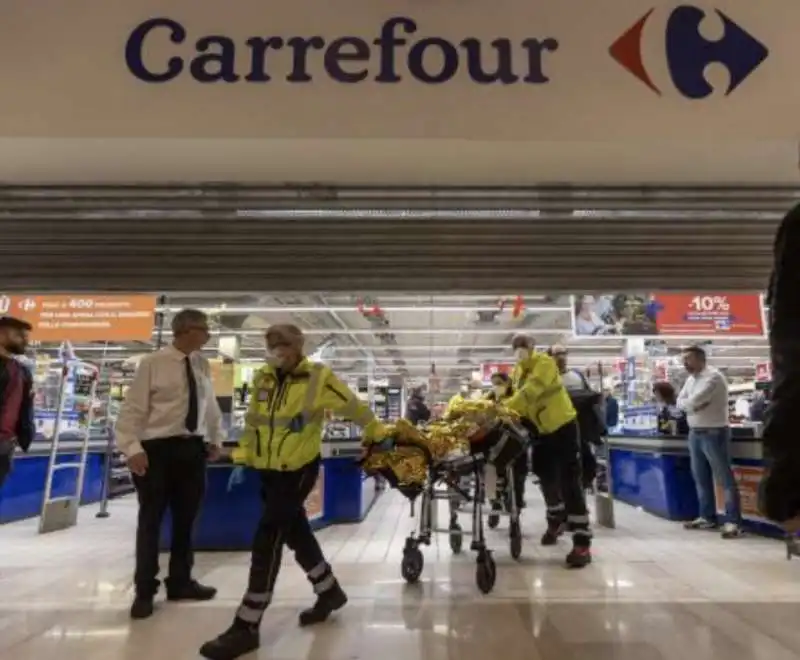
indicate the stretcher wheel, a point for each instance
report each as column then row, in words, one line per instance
column 485, row 572
column 412, row 565
column 456, row 538
column 493, row 520
column 515, row 540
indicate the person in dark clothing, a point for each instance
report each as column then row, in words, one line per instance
column 780, row 489
column 591, row 418
column 17, row 428
column 612, row 411
column 417, row 411
column 669, row 415
column 502, row 390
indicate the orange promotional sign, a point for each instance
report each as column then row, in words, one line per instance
column 315, row 502
column 83, row 317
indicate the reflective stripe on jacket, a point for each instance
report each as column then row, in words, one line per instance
column 539, row 395
column 285, row 419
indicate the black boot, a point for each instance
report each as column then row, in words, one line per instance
column 579, row 557
column 553, row 533
column 142, row 607
column 236, row 641
column 327, row 602
column 191, row 590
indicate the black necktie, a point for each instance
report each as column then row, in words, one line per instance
column 191, row 414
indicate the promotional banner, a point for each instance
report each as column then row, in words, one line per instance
column 315, row 502
column 83, row 317
column 489, row 369
column 695, row 315
column 748, row 479
column 764, row 372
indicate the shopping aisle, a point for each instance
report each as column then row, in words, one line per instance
column 655, row 592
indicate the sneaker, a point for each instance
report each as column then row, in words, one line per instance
column 731, row 531
column 192, row 590
column 234, row 642
column 700, row 523
column 553, row 533
column 142, row 607
column 327, row 603
column 579, row 557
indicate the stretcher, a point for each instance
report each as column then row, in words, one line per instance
column 466, row 482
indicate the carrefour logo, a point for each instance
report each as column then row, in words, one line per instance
column 390, row 56
column 688, row 52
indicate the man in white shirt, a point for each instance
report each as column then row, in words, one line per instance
column 169, row 425
column 704, row 399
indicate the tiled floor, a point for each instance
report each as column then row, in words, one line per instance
column 654, row 592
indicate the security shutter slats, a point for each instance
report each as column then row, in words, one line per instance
column 225, row 238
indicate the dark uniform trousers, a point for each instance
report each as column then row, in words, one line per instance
column 557, row 463
column 283, row 521
column 175, row 478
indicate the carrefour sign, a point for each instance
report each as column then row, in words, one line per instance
column 391, row 55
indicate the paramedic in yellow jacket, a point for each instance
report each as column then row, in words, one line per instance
column 282, row 440
column 540, row 397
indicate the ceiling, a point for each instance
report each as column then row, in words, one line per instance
column 412, row 335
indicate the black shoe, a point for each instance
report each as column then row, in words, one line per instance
column 142, row 607
column 579, row 557
column 553, row 533
column 234, row 642
column 327, row 602
column 192, row 590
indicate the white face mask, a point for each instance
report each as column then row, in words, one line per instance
column 500, row 390
column 521, row 353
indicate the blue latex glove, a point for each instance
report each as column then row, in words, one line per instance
column 236, row 478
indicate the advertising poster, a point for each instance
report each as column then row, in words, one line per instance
column 696, row 315
column 748, row 479
column 764, row 372
column 83, row 317
column 315, row 502
column 489, row 369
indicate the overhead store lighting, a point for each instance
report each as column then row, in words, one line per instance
column 318, row 309
column 397, row 331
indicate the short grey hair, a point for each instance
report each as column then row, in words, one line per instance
column 186, row 318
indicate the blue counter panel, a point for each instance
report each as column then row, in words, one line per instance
column 349, row 494
column 21, row 495
column 231, row 512
column 659, row 483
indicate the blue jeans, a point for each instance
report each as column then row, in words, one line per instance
column 710, row 454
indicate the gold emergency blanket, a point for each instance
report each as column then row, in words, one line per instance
column 407, row 460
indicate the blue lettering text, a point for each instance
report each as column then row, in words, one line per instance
column 345, row 59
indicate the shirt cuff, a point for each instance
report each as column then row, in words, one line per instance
column 132, row 449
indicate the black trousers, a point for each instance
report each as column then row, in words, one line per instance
column 175, row 478
column 5, row 467
column 283, row 522
column 557, row 463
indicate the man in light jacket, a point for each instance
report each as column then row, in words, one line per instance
column 704, row 399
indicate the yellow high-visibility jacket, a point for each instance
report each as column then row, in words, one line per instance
column 539, row 395
column 284, row 421
column 455, row 400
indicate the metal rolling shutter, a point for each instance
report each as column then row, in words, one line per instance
column 237, row 238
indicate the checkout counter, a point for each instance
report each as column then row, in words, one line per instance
column 232, row 504
column 653, row 472
column 22, row 494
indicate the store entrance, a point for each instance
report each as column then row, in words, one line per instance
column 387, row 346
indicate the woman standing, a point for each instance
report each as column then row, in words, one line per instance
column 671, row 420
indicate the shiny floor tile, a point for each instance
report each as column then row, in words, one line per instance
column 654, row 592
